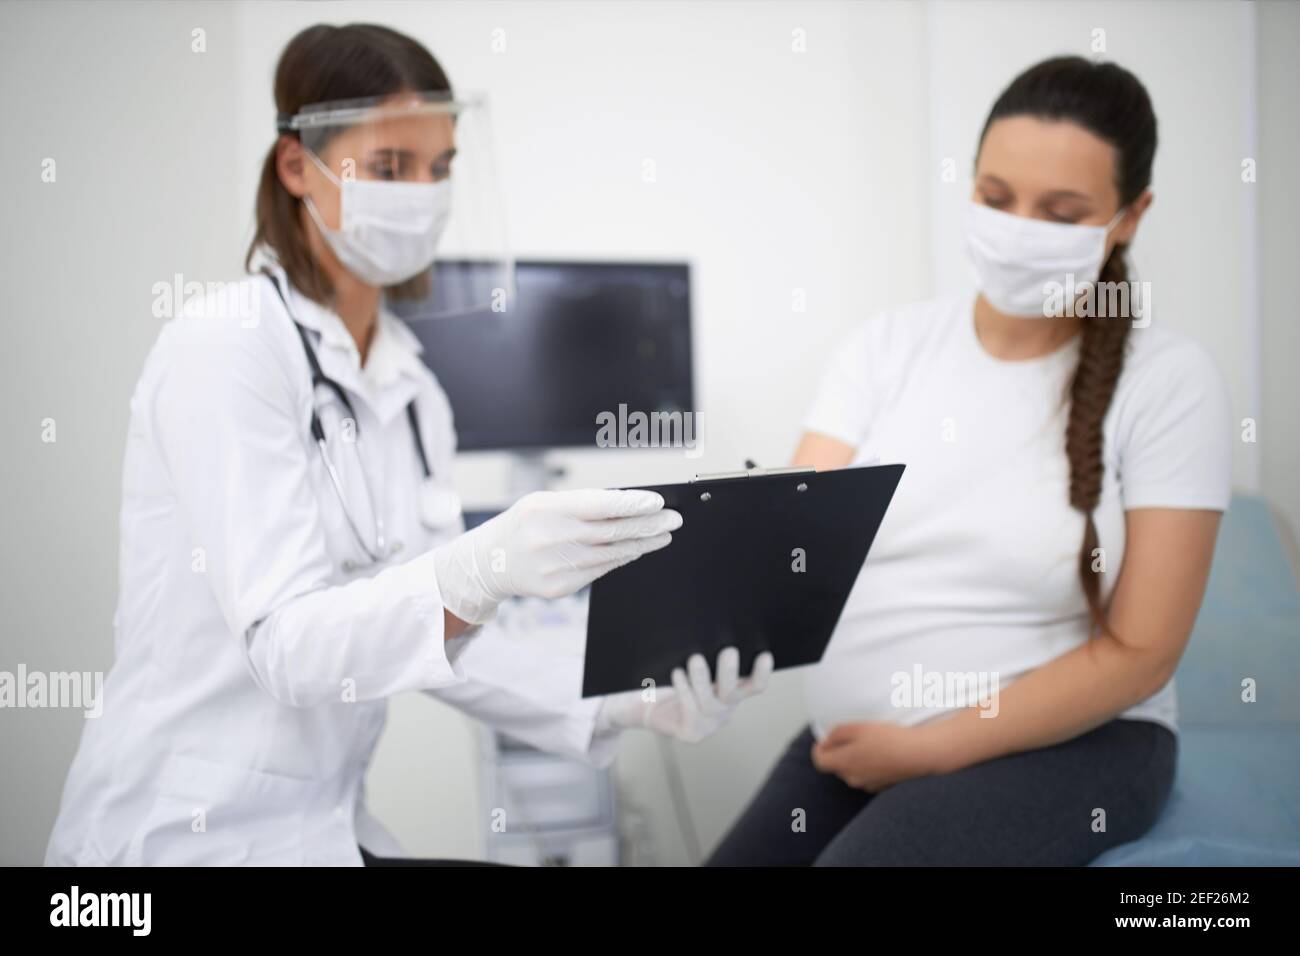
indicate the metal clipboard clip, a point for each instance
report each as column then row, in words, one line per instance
column 752, row 473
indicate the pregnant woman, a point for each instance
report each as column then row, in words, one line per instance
column 999, row 690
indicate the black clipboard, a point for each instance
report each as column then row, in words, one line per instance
column 732, row 577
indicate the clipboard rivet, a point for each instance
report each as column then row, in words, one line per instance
column 802, row 486
column 705, row 496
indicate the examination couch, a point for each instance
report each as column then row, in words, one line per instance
column 1236, row 798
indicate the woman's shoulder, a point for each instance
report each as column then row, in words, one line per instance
column 914, row 328
column 229, row 316
column 1160, row 359
column 877, row 355
column 1172, row 423
column 220, row 334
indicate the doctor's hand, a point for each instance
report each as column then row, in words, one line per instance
column 873, row 756
column 549, row 544
column 695, row 707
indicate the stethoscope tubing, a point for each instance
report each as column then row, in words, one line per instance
column 319, row 378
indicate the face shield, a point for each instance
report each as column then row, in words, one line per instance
column 404, row 189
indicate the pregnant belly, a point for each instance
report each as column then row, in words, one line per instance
column 914, row 677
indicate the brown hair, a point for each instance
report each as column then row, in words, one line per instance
column 1111, row 103
column 322, row 64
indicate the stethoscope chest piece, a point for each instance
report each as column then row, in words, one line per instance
column 439, row 505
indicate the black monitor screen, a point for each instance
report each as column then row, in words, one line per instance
column 580, row 339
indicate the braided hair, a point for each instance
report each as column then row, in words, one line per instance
column 1111, row 103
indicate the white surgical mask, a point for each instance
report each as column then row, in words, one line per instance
column 388, row 231
column 1019, row 261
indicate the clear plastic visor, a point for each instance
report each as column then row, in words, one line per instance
column 420, row 138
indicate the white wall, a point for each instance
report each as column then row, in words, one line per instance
column 776, row 171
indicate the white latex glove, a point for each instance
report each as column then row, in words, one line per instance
column 695, row 707
column 549, row 544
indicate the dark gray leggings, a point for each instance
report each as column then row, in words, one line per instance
column 1031, row 809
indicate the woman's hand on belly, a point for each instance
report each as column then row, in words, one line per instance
column 873, row 756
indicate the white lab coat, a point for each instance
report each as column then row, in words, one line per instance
column 252, row 671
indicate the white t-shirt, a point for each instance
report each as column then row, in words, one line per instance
column 973, row 577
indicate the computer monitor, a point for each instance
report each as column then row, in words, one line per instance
column 580, row 339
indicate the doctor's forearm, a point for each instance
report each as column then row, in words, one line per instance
column 1068, row 696
column 364, row 640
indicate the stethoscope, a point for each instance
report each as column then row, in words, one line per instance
column 439, row 507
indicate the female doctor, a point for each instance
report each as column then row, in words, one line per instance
column 292, row 552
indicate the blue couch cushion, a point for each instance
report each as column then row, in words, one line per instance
column 1234, row 803
column 1236, row 799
